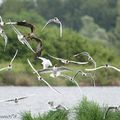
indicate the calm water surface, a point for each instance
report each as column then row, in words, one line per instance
column 38, row 103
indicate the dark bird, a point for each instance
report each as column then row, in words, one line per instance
column 39, row 48
column 24, row 24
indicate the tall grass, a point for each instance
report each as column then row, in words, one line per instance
column 89, row 110
column 52, row 115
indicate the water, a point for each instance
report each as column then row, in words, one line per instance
column 38, row 103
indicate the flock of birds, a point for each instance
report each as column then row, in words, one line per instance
column 47, row 64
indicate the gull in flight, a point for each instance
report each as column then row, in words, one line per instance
column 17, row 99
column 84, row 74
column 2, row 33
column 110, row 108
column 22, row 38
column 89, row 57
column 45, row 62
column 67, row 61
column 58, row 107
column 31, row 35
column 9, row 67
column 104, row 66
column 55, row 71
column 55, row 20
column 41, row 79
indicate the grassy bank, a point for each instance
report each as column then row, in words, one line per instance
column 21, row 75
column 86, row 110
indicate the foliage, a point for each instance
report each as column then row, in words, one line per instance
column 52, row 115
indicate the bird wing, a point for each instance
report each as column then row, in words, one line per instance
column 114, row 68
column 77, row 74
column 93, row 69
column 38, row 51
column 49, row 21
column 1, row 19
column 33, row 67
column 55, row 57
column 28, row 45
column 80, row 63
column 3, row 68
column 63, row 68
column 43, row 59
column 9, row 100
column 85, row 53
column 26, row 24
column 15, row 30
column 109, row 108
column 5, row 38
column 22, row 98
column 60, row 29
column 50, row 86
column 93, row 62
column 66, row 76
column 48, row 70
column 14, row 57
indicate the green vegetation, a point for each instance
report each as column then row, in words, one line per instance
column 52, row 115
column 86, row 110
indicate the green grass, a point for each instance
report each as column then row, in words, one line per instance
column 85, row 110
column 89, row 110
column 52, row 115
column 21, row 74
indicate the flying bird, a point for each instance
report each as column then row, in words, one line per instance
column 84, row 74
column 58, row 107
column 40, row 78
column 16, row 99
column 89, row 57
column 67, row 61
column 110, row 108
column 55, row 20
column 104, row 66
column 22, row 38
column 45, row 62
column 55, row 71
column 9, row 67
